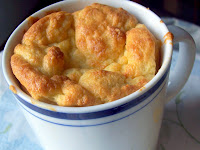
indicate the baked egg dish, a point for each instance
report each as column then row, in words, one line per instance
column 93, row 56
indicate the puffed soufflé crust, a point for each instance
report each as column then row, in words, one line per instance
column 93, row 56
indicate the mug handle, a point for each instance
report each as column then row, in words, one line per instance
column 184, row 64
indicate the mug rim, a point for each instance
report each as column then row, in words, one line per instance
column 162, row 72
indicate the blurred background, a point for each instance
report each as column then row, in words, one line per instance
column 13, row 12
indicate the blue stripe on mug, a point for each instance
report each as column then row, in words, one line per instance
column 99, row 114
column 90, row 125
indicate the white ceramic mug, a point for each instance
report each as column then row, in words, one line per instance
column 130, row 123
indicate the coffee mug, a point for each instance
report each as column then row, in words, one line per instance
column 130, row 123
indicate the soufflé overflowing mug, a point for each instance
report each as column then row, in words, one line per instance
column 130, row 122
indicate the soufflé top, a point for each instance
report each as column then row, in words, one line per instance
column 93, row 56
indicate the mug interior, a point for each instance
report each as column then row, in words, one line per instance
column 143, row 14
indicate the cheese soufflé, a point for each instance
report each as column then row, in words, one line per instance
column 93, row 56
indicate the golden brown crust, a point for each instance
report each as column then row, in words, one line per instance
column 13, row 89
column 37, row 84
column 93, row 56
column 76, row 95
column 106, row 85
column 100, row 33
column 53, row 61
column 53, row 28
column 140, row 52
column 59, row 89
